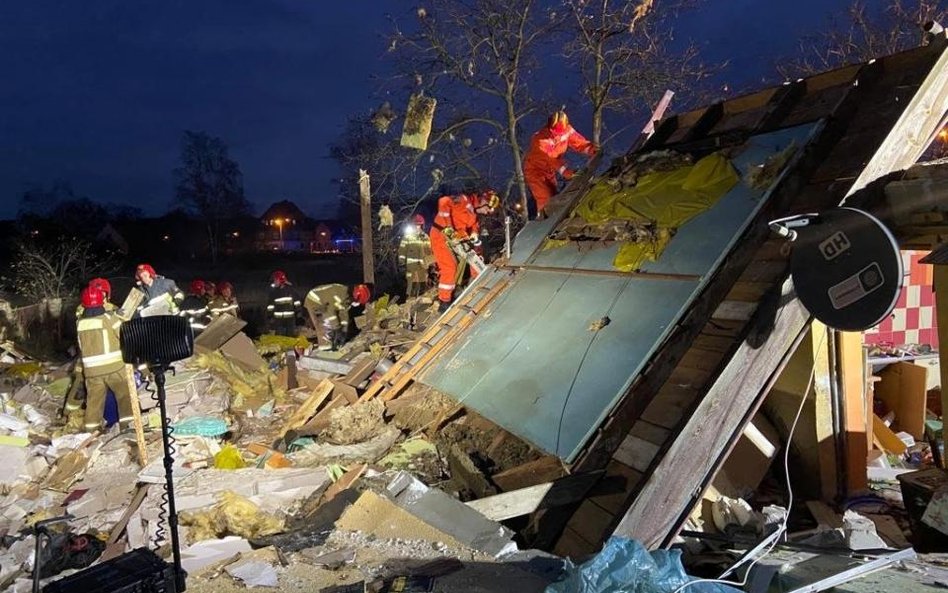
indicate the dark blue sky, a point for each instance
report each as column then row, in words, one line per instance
column 98, row 92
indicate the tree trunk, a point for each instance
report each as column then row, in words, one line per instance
column 598, row 100
column 212, row 242
column 597, row 124
column 515, row 153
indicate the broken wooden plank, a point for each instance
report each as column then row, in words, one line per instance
column 360, row 372
column 142, row 451
column 670, row 492
column 310, row 406
column 320, row 421
column 466, row 474
column 890, row 531
column 345, row 390
column 544, row 469
column 345, row 481
column 888, row 439
column 119, row 527
column 518, row 503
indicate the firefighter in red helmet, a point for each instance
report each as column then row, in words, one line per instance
column 194, row 306
column 103, row 286
column 224, row 302
column 283, row 305
column 162, row 295
column 101, row 358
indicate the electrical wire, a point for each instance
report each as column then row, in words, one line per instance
column 579, row 367
column 161, row 532
column 773, row 538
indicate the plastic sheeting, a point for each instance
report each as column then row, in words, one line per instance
column 625, row 566
column 669, row 198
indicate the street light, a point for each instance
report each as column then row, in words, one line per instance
column 279, row 223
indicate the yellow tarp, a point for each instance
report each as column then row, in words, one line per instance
column 669, row 198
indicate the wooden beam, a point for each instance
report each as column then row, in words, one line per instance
column 368, row 253
column 518, row 503
column 531, row 473
column 856, row 408
column 677, row 482
column 823, row 407
column 941, row 307
column 908, row 138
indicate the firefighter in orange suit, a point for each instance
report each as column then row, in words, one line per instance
column 101, row 357
column 544, row 158
column 456, row 220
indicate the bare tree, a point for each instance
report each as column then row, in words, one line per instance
column 209, row 184
column 489, row 47
column 56, row 270
column 623, row 50
column 863, row 32
column 402, row 178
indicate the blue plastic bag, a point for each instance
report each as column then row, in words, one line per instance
column 625, row 566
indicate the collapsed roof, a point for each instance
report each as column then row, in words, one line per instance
column 623, row 363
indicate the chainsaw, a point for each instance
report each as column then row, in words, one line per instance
column 465, row 249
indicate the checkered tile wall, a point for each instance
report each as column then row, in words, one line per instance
column 913, row 320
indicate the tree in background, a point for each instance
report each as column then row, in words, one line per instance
column 489, row 48
column 208, row 184
column 623, row 51
column 49, row 270
column 863, row 32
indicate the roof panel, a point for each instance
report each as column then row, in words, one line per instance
column 537, row 368
column 532, row 364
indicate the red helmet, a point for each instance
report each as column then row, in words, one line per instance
column 210, row 289
column 558, row 122
column 279, row 278
column 92, row 297
column 225, row 287
column 361, row 294
column 101, row 284
column 419, row 220
column 144, row 268
column 198, row 287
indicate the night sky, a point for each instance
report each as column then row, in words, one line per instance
column 97, row 93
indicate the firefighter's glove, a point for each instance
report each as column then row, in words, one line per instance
column 475, row 240
column 449, row 233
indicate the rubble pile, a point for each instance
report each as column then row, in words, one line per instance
column 283, row 477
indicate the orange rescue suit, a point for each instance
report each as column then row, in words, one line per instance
column 456, row 213
column 545, row 158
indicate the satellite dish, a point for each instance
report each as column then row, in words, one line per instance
column 846, row 269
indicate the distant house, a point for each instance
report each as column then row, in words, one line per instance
column 286, row 228
column 110, row 236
